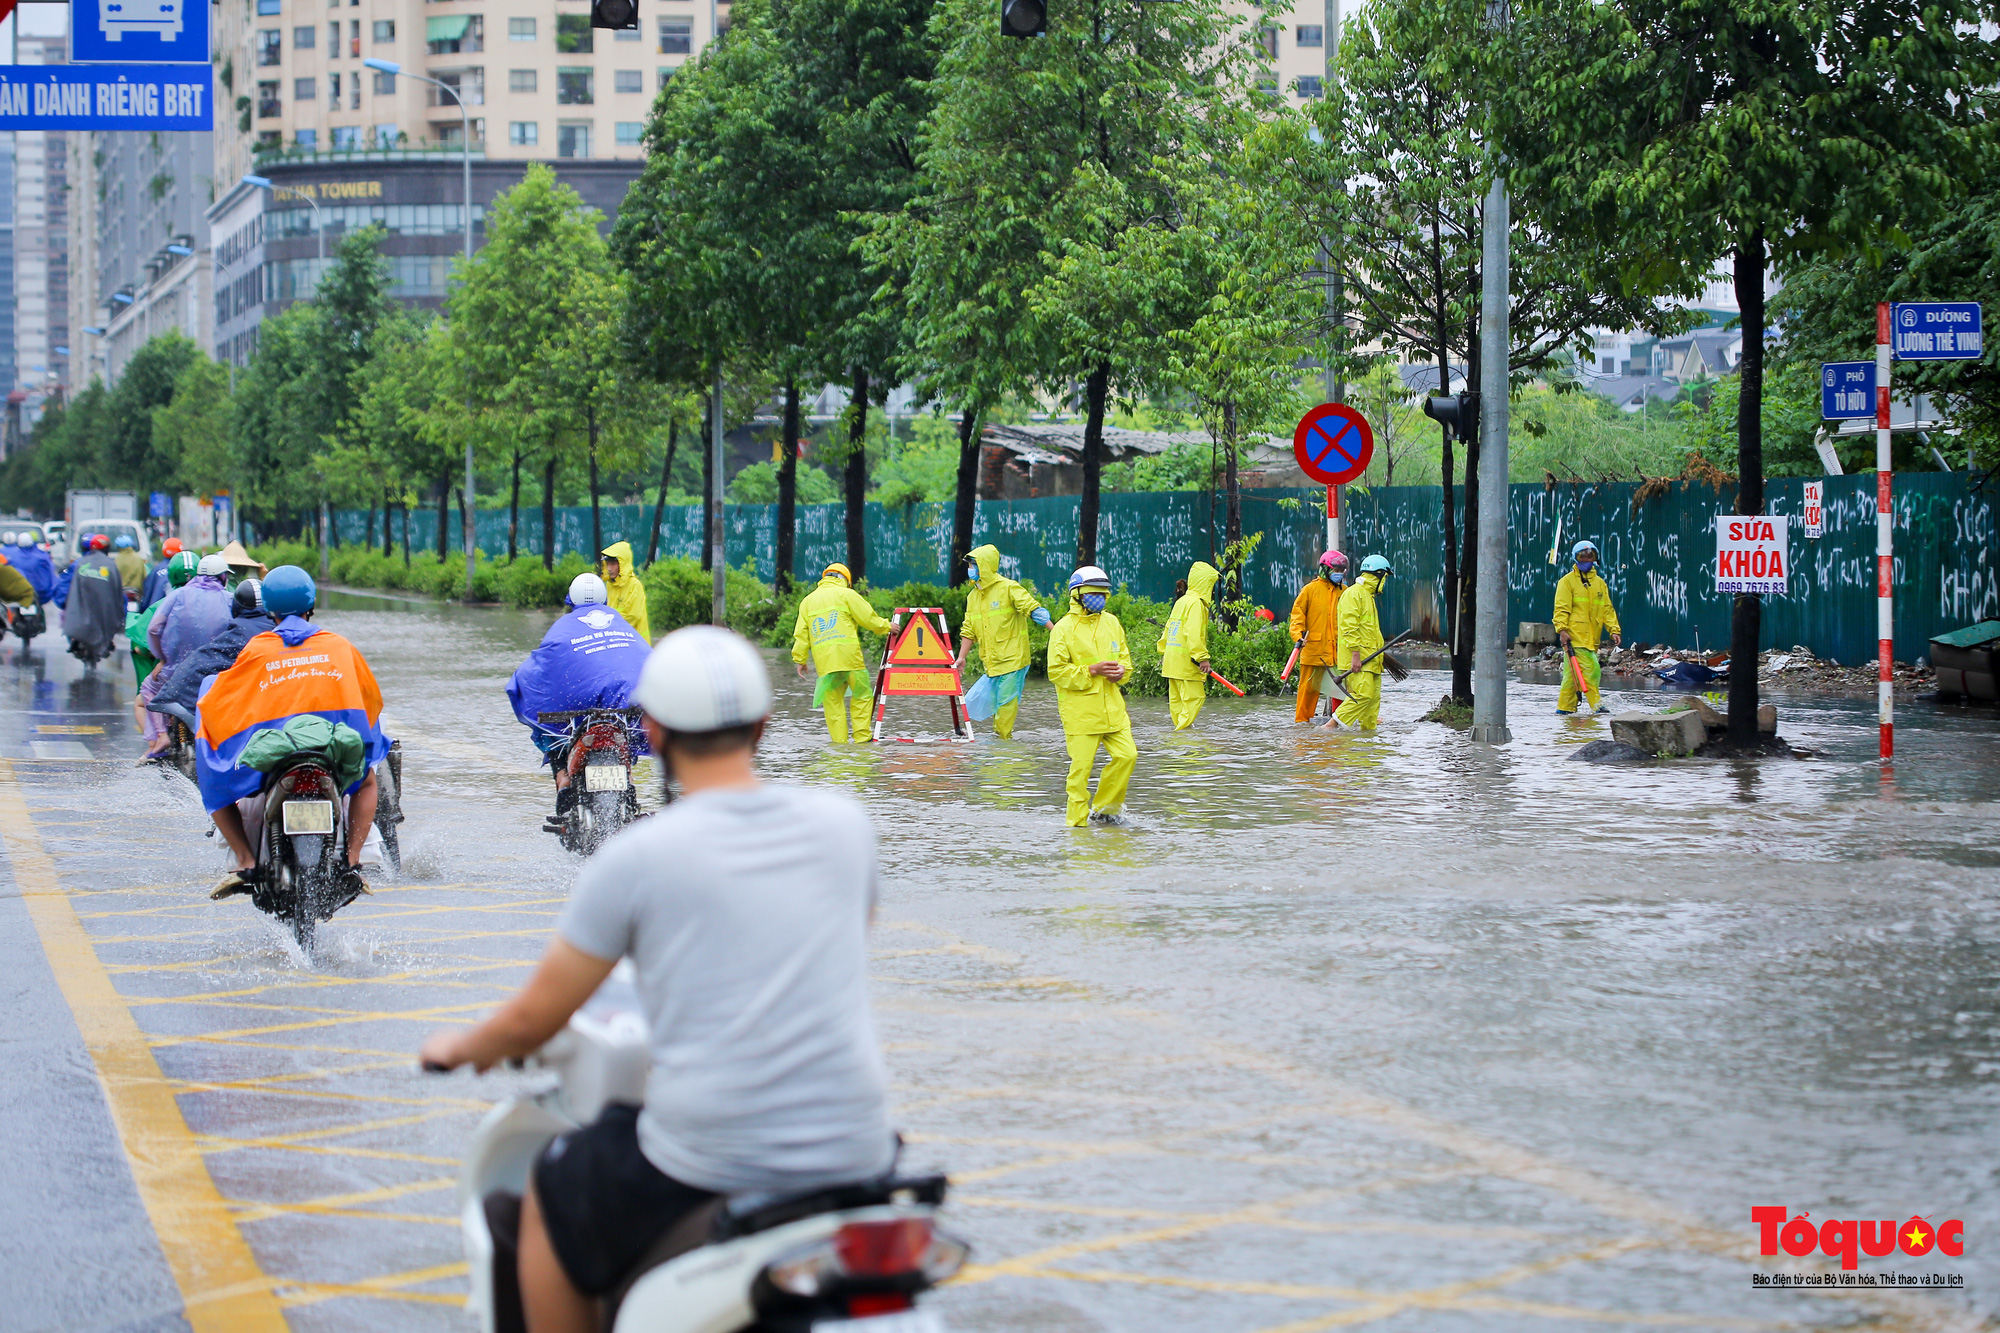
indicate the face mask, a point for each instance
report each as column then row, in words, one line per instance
column 972, row 572
column 1093, row 602
column 1586, row 565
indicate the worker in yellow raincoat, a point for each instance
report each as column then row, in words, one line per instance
column 625, row 594
column 1583, row 616
column 1183, row 646
column 1360, row 636
column 1316, row 630
column 997, row 612
column 831, row 619
column 1088, row 657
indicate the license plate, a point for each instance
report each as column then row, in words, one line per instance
column 606, row 777
column 308, row 817
column 903, row 1321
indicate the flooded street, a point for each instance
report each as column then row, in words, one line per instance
column 1384, row 1031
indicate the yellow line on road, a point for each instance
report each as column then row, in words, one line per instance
column 222, row 1287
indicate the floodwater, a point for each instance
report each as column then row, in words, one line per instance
column 1388, row 1031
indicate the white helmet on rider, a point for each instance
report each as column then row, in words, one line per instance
column 704, row 678
column 588, row 590
column 214, row 566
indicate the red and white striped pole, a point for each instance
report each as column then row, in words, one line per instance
column 1885, row 565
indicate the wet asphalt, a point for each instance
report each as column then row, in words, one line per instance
column 1391, row 1031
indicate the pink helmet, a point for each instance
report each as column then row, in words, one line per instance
column 1332, row 560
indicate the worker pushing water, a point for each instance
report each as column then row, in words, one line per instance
column 1316, row 634
column 1582, row 616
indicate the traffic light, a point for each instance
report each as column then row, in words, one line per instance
column 1458, row 414
column 614, row 14
column 1023, row 18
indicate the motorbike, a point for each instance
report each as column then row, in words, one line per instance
column 597, row 755
column 847, row 1259
column 389, row 806
column 302, row 853
column 26, row 621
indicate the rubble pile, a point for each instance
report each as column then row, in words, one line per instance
column 1796, row 668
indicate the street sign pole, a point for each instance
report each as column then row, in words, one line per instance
column 1885, row 618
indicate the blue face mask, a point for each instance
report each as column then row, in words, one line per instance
column 1093, row 602
column 1586, row 565
column 972, row 572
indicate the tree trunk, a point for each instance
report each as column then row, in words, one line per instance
column 856, row 477
column 325, row 539
column 660, row 503
column 444, row 515
column 369, row 544
column 1094, row 391
column 459, row 491
column 965, row 501
column 1450, row 626
column 788, row 491
column 1746, row 620
column 388, row 536
column 1467, row 564
column 596, row 517
column 514, row 509
column 1232, row 518
column 406, row 532
column 549, row 509
column 708, row 486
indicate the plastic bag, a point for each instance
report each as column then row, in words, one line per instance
column 980, row 705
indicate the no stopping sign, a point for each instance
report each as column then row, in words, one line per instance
column 1333, row 444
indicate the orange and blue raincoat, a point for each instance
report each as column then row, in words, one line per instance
column 281, row 674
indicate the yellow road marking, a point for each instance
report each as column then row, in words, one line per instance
column 222, row 1287
column 332, row 1131
column 311, row 1293
column 250, row 1211
column 219, row 1145
column 357, row 1016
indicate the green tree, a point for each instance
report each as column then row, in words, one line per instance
column 128, row 455
column 197, row 427
column 1745, row 131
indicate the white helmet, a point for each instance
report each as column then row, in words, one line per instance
column 704, row 678
column 25, row 540
column 588, row 590
column 215, row 565
column 1090, row 576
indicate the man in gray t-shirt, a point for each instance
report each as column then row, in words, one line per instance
column 744, row 908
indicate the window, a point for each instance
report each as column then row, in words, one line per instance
column 385, row 83
column 333, row 40
column 1267, row 41
column 575, row 86
column 346, row 136
column 666, row 76
column 452, row 133
column 631, row 133
column 524, row 132
column 354, row 92
column 269, row 141
column 573, row 34
column 626, row 35
column 386, row 136
column 1309, row 85
column 676, row 37
column 265, row 8
column 456, row 34
column 520, row 81
column 469, row 84
column 385, row 31
column 1267, row 86
column 270, row 47
column 628, row 81
column 333, row 92
column 308, row 138
column 268, row 104
column 520, row 30
column 305, row 90
column 1311, row 34
column 354, row 38
column 573, row 140
column 302, row 37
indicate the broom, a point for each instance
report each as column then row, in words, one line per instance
column 1391, row 668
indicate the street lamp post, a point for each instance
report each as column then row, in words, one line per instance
column 1489, row 648
column 465, row 143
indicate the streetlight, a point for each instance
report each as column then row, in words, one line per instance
column 180, row 250
column 93, row 330
column 319, row 228
column 465, row 143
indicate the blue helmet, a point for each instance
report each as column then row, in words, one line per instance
column 1576, row 551
column 289, row 591
column 124, row 542
column 1376, row 564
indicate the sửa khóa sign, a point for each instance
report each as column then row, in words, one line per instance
column 1750, row 553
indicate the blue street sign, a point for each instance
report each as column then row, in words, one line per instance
column 1935, row 331
column 161, row 505
column 139, row 32
column 1846, row 390
column 107, row 97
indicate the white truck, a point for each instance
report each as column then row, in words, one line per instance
column 109, row 512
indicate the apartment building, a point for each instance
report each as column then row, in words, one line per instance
column 41, row 249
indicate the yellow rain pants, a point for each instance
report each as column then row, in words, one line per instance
column 1122, row 756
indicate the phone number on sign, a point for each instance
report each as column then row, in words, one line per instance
column 1857, row 1279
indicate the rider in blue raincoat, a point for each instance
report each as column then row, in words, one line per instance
column 588, row 659
column 34, row 566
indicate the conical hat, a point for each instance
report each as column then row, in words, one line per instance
column 239, row 559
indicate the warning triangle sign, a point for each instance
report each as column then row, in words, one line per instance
column 920, row 645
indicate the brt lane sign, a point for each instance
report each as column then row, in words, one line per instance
column 107, row 97
column 1750, row 553
column 149, row 31
column 1847, row 390
column 1935, row 331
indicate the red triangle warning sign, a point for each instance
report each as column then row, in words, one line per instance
column 920, row 645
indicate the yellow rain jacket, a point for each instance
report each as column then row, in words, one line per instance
column 1184, row 641
column 1091, row 705
column 996, row 615
column 14, row 586
column 1316, row 619
column 627, row 594
column 827, row 620
column 131, row 568
column 1584, row 609
column 1360, row 628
